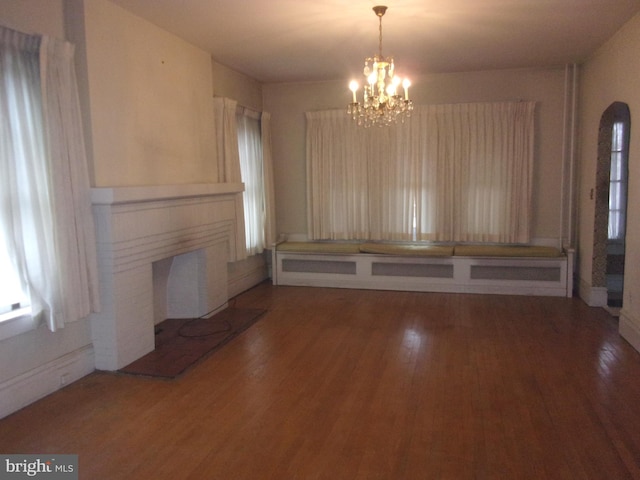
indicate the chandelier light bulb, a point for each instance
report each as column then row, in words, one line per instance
column 353, row 86
column 391, row 89
column 395, row 83
column 406, row 83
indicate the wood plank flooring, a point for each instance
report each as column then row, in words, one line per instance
column 349, row 384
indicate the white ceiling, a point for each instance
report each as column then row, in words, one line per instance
column 302, row 40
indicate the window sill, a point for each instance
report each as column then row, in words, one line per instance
column 16, row 322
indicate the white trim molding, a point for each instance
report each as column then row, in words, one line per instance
column 592, row 296
column 20, row 391
column 629, row 329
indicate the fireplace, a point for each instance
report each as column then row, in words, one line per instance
column 189, row 228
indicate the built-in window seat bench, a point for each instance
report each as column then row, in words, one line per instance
column 497, row 269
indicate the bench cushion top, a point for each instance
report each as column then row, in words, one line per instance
column 415, row 250
column 407, row 250
column 506, row 251
column 319, row 247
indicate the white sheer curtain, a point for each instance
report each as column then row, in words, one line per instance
column 360, row 182
column 24, row 190
column 451, row 173
column 270, row 233
column 476, row 172
column 244, row 155
column 226, row 127
column 337, row 178
column 69, row 177
column 250, row 151
column 45, row 211
column 227, row 140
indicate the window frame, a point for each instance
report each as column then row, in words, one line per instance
column 621, row 182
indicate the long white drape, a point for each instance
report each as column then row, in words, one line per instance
column 226, row 127
column 244, row 155
column 69, row 178
column 227, row 140
column 45, row 213
column 337, row 178
column 24, row 189
column 269, row 188
column 451, row 173
column 250, row 150
column 481, row 158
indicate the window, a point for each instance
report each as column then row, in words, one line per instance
column 460, row 172
column 13, row 299
column 251, row 168
column 21, row 136
column 47, row 237
column 618, row 183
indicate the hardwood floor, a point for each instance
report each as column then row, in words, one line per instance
column 349, row 384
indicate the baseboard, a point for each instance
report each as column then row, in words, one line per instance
column 31, row 386
column 629, row 329
column 592, row 296
column 240, row 281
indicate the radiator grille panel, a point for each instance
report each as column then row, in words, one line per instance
column 412, row 270
column 318, row 266
column 540, row 274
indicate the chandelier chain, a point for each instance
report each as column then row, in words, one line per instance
column 380, row 44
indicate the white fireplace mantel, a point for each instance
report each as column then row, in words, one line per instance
column 137, row 226
column 117, row 195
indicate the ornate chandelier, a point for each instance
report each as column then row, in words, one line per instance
column 382, row 104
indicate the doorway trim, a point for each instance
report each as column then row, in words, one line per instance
column 617, row 111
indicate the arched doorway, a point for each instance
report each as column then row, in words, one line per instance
column 611, row 201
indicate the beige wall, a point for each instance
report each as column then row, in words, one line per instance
column 150, row 102
column 231, row 84
column 612, row 74
column 34, row 16
column 288, row 103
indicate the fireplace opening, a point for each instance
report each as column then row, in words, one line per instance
column 178, row 287
column 183, row 285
